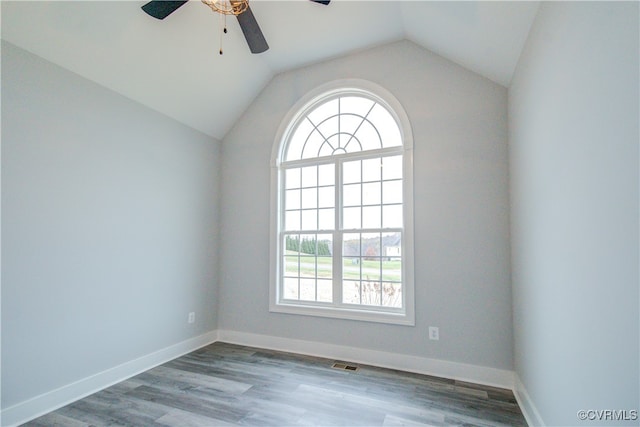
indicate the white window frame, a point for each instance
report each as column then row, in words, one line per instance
column 406, row 316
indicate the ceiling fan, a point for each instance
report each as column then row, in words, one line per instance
column 160, row 9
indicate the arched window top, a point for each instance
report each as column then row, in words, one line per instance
column 340, row 124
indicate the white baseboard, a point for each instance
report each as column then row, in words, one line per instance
column 527, row 406
column 422, row 365
column 47, row 402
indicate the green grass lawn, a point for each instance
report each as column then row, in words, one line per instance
column 391, row 270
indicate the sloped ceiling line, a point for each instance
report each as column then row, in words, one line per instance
column 172, row 66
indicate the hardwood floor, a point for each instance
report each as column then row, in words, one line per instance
column 224, row 384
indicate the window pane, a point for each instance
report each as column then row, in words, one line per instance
column 392, row 295
column 296, row 143
column 351, row 172
column 371, row 245
column 371, row 217
column 392, row 242
column 351, row 195
column 323, row 111
column 325, row 245
column 292, row 221
column 370, row 292
column 307, row 266
column 371, row 169
column 371, row 193
column 307, row 289
column 348, row 125
column 326, row 219
column 292, row 199
column 308, row 244
column 392, row 216
column 326, row 174
column 326, row 197
column 351, row 268
column 368, row 136
column 386, row 125
column 325, row 290
column 392, row 192
column 310, row 176
column 326, row 149
column 392, row 269
column 292, row 243
column 309, row 198
column 310, row 220
column 353, row 145
column 291, row 266
column 370, row 269
column 356, row 104
column 290, row 288
column 351, row 292
column 292, row 177
column 371, row 257
column 329, row 128
column 325, row 267
column 351, row 218
column 312, row 145
column 351, row 244
column 392, row 167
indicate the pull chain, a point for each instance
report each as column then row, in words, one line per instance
column 223, row 24
column 224, row 8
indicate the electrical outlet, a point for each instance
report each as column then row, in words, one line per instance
column 192, row 317
column 434, row 333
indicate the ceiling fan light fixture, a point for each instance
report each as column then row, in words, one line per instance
column 227, row 7
column 160, row 9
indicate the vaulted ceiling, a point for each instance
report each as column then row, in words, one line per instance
column 173, row 65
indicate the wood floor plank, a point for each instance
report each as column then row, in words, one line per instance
column 180, row 418
column 224, row 384
column 55, row 419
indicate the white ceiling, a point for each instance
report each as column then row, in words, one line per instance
column 173, row 66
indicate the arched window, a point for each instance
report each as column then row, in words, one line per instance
column 342, row 226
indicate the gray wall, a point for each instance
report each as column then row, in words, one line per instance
column 109, row 214
column 573, row 119
column 462, row 277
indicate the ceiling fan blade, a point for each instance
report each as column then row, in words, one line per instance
column 324, row 2
column 252, row 32
column 160, row 9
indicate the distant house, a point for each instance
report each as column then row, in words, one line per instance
column 392, row 251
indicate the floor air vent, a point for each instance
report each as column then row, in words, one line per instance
column 344, row 367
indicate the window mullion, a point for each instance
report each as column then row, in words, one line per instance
column 380, row 260
column 338, row 235
column 282, row 248
column 317, row 283
column 361, row 224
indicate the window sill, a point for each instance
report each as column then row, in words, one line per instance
column 344, row 313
